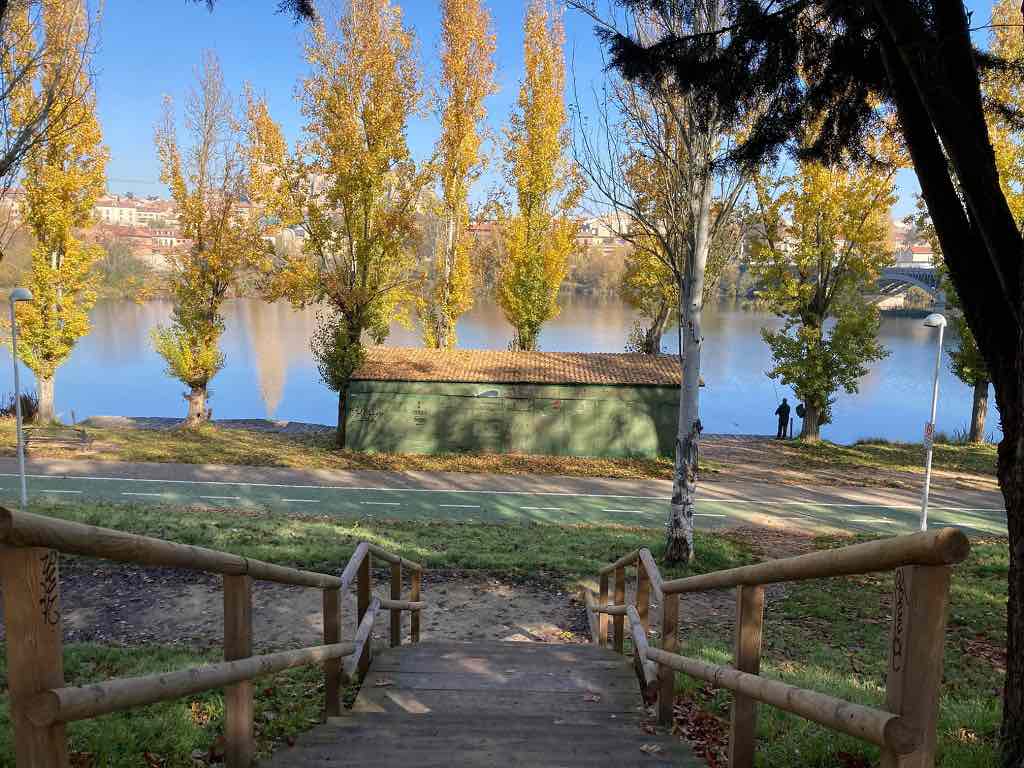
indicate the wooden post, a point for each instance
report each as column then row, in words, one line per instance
column 669, row 644
column 602, row 618
column 396, row 613
column 917, row 640
column 332, row 635
column 415, row 587
column 643, row 595
column 620, row 599
column 31, row 585
column 362, row 604
column 240, row 747
column 746, row 658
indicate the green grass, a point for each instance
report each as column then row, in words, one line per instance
column 878, row 454
column 167, row 734
column 566, row 552
column 825, row 635
column 831, row 636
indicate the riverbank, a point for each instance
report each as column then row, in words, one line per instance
column 723, row 457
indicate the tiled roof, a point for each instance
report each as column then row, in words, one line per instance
column 494, row 367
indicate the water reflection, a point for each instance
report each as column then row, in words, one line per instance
column 270, row 371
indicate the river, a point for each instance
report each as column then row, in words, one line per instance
column 270, row 372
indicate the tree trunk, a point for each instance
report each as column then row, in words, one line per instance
column 679, row 543
column 44, row 390
column 810, row 429
column 979, row 412
column 340, row 434
column 652, row 337
column 198, row 413
column 1011, row 482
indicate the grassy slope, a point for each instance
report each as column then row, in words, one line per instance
column 212, row 445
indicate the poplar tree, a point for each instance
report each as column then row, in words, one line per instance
column 540, row 236
column 352, row 186
column 64, row 174
column 208, row 182
column 467, row 79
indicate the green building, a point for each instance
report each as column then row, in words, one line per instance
column 575, row 404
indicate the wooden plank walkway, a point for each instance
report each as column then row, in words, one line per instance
column 437, row 704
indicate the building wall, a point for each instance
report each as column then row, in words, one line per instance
column 568, row 420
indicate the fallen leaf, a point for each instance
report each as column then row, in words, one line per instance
column 591, row 697
column 383, row 683
column 651, row 749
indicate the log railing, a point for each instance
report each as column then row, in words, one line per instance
column 40, row 702
column 905, row 730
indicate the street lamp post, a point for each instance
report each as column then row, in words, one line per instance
column 933, row 320
column 19, row 294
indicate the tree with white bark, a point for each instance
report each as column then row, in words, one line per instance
column 653, row 157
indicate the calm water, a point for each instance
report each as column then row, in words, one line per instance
column 270, row 371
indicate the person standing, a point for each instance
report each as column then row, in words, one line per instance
column 783, row 413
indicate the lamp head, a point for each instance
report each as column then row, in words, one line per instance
column 21, row 294
column 935, row 320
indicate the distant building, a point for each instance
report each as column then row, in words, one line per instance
column 911, row 250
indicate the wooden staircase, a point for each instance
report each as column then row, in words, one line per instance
column 492, row 704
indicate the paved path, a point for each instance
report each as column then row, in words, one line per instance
column 498, row 498
column 436, row 705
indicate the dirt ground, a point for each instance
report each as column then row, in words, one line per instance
column 128, row 605
column 764, row 460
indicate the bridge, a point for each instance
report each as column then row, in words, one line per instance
column 440, row 704
column 892, row 280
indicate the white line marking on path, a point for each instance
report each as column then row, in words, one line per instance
column 460, row 506
column 130, row 493
column 627, row 511
column 222, row 498
column 382, row 503
column 541, row 509
column 56, row 490
column 302, row 501
column 711, row 500
column 705, row 514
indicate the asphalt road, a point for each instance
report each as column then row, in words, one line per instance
column 497, row 498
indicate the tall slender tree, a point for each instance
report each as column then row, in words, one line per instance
column 64, row 174
column 467, row 79
column 540, row 235
column 352, row 185
column 659, row 161
column 831, row 72
column 209, row 184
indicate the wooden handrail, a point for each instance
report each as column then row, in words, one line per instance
column 873, row 725
column 41, row 703
column 946, row 546
column 623, row 561
column 653, row 574
column 640, row 647
column 383, row 554
column 922, row 563
column 24, row 529
column 64, row 705
column 401, row 605
column 362, row 637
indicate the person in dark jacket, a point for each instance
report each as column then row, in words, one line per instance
column 783, row 413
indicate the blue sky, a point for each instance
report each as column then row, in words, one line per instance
column 150, row 48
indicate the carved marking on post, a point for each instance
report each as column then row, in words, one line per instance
column 48, row 583
column 899, row 601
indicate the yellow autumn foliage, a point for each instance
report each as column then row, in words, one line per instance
column 540, row 236
column 64, row 174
